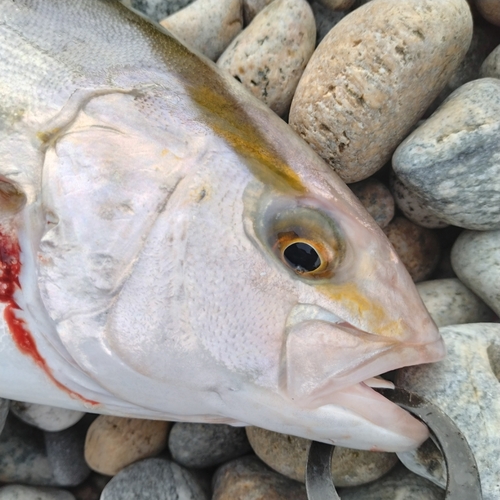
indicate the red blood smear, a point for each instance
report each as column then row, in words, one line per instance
column 10, row 267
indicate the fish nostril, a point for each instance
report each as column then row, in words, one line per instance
column 493, row 352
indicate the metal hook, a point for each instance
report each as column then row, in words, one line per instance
column 463, row 478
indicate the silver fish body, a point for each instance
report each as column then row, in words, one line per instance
column 170, row 249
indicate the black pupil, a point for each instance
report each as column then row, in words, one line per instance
column 302, row 257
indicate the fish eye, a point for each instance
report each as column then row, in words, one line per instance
column 302, row 257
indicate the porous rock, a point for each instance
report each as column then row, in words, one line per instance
column 47, row 418
column 373, row 76
column 269, row 56
column 452, row 161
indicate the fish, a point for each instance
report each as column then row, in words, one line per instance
column 170, row 249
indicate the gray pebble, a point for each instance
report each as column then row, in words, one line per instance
column 466, row 387
column 153, row 479
column 21, row 492
column 157, row 9
column 400, row 483
column 4, row 411
column 491, row 65
column 452, row 161
column 475, row 258
column 325, row 19
column 252, row 7
column 206, row 445
column 47, row 418
column 450, row 302
column 376, row 198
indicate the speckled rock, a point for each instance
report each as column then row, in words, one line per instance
column 413, row 207
column 157, row 9
column 373, row 76
column 490, row 10
column 207, row 25
column 337, row 4
column 269, row 56
column 465, row 385
column 452, row 161
column 416, row 246
column 325, row 19
column 376, row 198
column 112, row 443
column 476, row 260
column 247, row 478
column 153, row 479
column 206, row 445
column 450, row 302
column 47, row 418
column 398, row 484
column 252, row 7
column 4, row 411
column 491, row 65
column 21, row 492
column 288, row 456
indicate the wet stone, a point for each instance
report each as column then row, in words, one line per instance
column 269, row 56
column 491, row 65
column 247, row 478
column 452, row 161
column 21, row 492
column 376, row 198
column 206, row 445
column 353, row 108
column 450, row 302
column 153, row 479
column 4, row 411
column 288, row 456
column 466, row 386
column 417, row 247
column 47, row 418
column 475, row 258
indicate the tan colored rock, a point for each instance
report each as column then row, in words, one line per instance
column 491, row 65
column 112, row 443
column 417, row 247
column 337, row 4
column 490, row 10
column 207, row 25
column 252, row 7
column 288, row 456
column 373, row 76
column 269, row 56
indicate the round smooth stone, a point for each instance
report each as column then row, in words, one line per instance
column 490, row 10
column 269, row 56
column 374, row 75
column 206, row 445
column 376, row 198
column 475, row 258
column 399, row 484
column 153, row 479
column 4, row 411
column 450, row 302
column 247, row 478
column 414, row 208
column 491, row 65
column 207, row 25
column 417, row 247
column 338, row 4
column 325, row 19
column 112, row 443
column 288, row 456
column 47, row 418
column 466, row 386
column 252, row 7
column 21, row 492
column 452, row 161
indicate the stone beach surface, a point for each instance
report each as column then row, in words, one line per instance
column 434, row 188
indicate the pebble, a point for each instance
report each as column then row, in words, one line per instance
column 490, row 10
column 491, row 65
column 21, row 492
column 207, row 25
column 247, row 478
column 4, row 411
column 450, row 302
column 376, row 198
column 112, row 443
column 413, row 207
column 475, row 258
column 466, row 386
column 91, row 488
column 269, row 56
column 157, row 9
column 252, row 7
column 206, row 445
column 337, row 4
column 373, row 76
column 288, row 456
column 452, row 161
column 153, row 479
column 398, row 484
column 417, row 247
column 47, row 418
